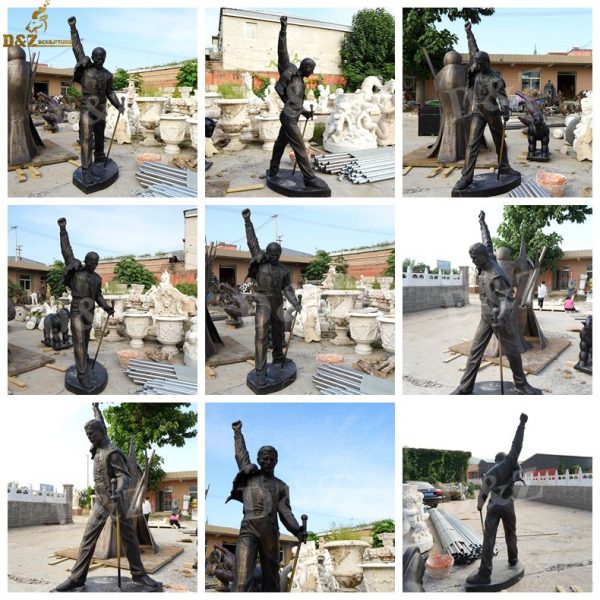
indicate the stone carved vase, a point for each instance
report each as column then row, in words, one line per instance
column 233, row 120
column 172, row 131
column 364, row 330
column 340, row 303
column 193, row 124
column 347, row 556
column 387, row 331
column 136, row 327
column 150, row 109
column 211, row 109
column 268, row 130
column 169, row 332
column 379, row 576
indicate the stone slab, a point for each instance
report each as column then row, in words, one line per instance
column 104, row 176
column 419, row 158
column 110, row 584
column 534, row 360
column 230, row 352
column 152, row 562
column 51, row 155
column 98, row 377
column 487, row 185
column 278, row 378
column 503, row 577
column 292, row 185
column 21, row 360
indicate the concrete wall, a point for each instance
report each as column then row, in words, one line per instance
column 424, row 298
column 251, row 44
column 190, row 241
column 28, row 514
column 562, row 495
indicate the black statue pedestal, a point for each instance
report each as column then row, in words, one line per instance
column 537, row 157
column 492, row 388
column 109, row 584
column 104, row 176
column 278, row 378
column 288, row 184
column 488, row 184
column 98, row 378
column 503, row 577
column 60, row 345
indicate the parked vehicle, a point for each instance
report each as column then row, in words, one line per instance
column 432, row 496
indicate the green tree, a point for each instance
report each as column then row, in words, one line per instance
column 384, row 526
column 529, row 221
column 128, row 270
column 417, row 267
column 390, row 261
column 187, row 76
column 561, row 469
column 369, row 48
column 54, row 278
column 85, row 497
column 150, row 424
column 16, row 293
column 189, row 289
column 120, row 79
column 318, row 267
column 341, row 265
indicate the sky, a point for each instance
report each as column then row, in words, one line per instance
column 109, row 230
column 521, row 30
column 57, row 449
column 304, row 228
column 337, row 459
column 435, row 239
column 484, row 426
column 132, row 37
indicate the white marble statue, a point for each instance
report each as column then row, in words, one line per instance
column 190, row 347
column 307, row 323
column 273, row 101
column 582, row 144
column 323, row 102
column 415, row 530
column 123, row 133
column 253, row 100
column 386, row 126
column 168, row 300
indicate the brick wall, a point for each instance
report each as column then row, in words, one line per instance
column 28, row 514
column 370, row 262
column 156, row 266
column 562, row 495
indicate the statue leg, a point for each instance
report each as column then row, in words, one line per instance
column 278, row 150
column 497, row 131
column 277, row 330
column 480, row 342
column 509, row 522
column 294, row 137
column 86, row 135
column 132, row 549
column 268, row 549
column 79, row 345
column 492, row 520
column 261, row 332
column 513, row 355
column 475, row 137
column 99, row 127
column 245, row 560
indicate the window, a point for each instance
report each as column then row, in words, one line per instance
column 64, row 85
column 530, row 80
column 281, row 557
column 25, row 282
column 250, row 31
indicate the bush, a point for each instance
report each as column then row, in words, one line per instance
column 229, row 91
column 317, row 137
column 384, row 526
column 187, row 76
column 73, row 96
column 189, row 289
column 16, row 293
column 376, row 284
column 128, row 270
column 54, row 279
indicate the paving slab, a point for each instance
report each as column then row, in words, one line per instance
column 555, row 547
column 416, row 183
column 428, row 335
column 231, row 378
column 31, row 550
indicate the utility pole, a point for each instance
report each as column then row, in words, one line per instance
column 17, row 247
column 278, row 238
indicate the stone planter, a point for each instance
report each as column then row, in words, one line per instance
column 378, row 576
column 193, row 124
column 387, row 331
column 233, row 120
column 136, row 326
column 172, row 131
column 347, row 556
column 364, row 330
column 150, row 109
column 211, row 109
column 169, row 332
column 185, row 91
column 341, row 302
column 268, row 130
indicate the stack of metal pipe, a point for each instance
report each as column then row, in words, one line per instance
column 164, row 181
column 529, row 189
column 332, row 163
column 332, row 380
column 163, row 387
column 366, row 170
column 158, row 378
column 456, row 538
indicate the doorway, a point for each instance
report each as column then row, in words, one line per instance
column 566, row 83
column 227, row 275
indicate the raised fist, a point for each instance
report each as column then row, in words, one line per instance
column 283, row 21
column 62, row 222
column 246, row 213
column 481, row 216
column 72, row 21
column 524, row 418
column 236, row 426
column 467, row 26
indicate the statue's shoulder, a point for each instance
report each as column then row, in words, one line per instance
column 281, row 485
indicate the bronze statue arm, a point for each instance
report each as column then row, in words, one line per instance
column 288, row 292
column 242, row 458
column 517, row 443
column 286, row 515
column 112, row 97
column 76, row 42
column 483, row 494
column 118, row 468
column 283, row 58
column 65, row 245
column 506, row 301
column 473, row 48
column 251, row 238
column 486, row 238
column 502, row 98
column 101, row 301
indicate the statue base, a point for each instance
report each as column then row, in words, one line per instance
column 584, row 368
column 537, row 157
column 288, row 184
column 104, row 176
column 488, row 184
column 492, row 388
column 98, row 379
column 109, row 584
column 278, row 378
column 503, row 577
column 59, row 346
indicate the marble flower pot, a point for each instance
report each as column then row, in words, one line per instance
column 364, row 330
column 193, row 124
column 341, row 302
column 211, row 109
column 233, row 120
column 136, row 327
column 169, row 332
column 387, row 331
column 379, row 576
column 172, row 131
column 347, row 556
column 268, row 130
column 150, row 108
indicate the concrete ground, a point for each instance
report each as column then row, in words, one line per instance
column 56, row 180
column 428, row 334
column 231, row 379
column 416, row 183
column 49, row 381
column 248, row 167
column 30, row 550
column 555, row 547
